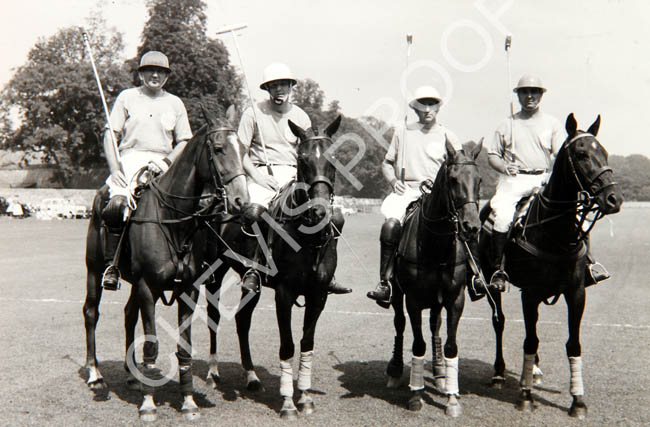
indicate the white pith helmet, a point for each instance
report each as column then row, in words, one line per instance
column 529, row 80
column 276, row 72
column 425, row 92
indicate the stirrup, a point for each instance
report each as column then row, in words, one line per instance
column 501, row 276
column 597, row 273
column 107, row 282
column 247, row 281
column 477, row 288
column 374, row 295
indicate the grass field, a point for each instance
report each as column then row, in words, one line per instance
column 41, row 323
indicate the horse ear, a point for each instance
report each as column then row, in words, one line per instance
column 593, row 129
column 571, row 125
column 333, row 127
column 451, row 151
column 297, row 130
column 231, row 115
column 209, row 117
column 477, row 149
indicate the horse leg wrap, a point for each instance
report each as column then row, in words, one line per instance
column 304, row 372
column 417, row 373
column 451, row 381
column 526, row 382
column 576, row 387
column 286, row 378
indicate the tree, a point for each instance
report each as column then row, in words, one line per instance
column 355, row 136
column 201, row 69
column 57, row 101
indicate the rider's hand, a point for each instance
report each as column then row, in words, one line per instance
column 267, row 181
column 510, row 169
column 118, row 177
column 399, row 188
column 157, row 167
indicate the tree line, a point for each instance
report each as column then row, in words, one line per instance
column 61, row 115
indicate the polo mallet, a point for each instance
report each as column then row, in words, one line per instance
column 116, row 152
column 402, row 175
column 231, row 29
column 512, row 101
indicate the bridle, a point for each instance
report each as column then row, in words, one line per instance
column 585, row 202
column 453, row 206
column 218, row 181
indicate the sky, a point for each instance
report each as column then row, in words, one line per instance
column 592, row 55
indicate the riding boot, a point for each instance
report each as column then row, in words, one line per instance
column 391, row 232
column 113, row 216
column 337, row 221
column 111, row 277
column 335, row 288
column 252, row 279
column 499, row 277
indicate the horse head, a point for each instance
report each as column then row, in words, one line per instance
column 316, row 170
column 223, row 168
column 586, row 159
column 463, row 184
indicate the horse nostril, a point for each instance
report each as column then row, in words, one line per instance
column 612, row 201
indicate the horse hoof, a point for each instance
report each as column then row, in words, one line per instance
column 578, row 410
column 289, row 414
column 415, row 403
column 525, row 405
column 214, row 380
column 454, row 410
column 98, row 385
column 497, row 383
column 255, row 385
column 306, row 408
column 393, row 382
column 191, row 414
column 148, row 415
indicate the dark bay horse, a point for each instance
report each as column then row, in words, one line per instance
column 430, row 271
column 302, row 247
column 166, row 249
column 546, row 255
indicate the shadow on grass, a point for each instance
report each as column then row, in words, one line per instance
column 368, row 379
column 231, row 387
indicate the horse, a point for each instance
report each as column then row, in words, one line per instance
column 165, row 250
column 546, row 255
column 430, row 271
column 301, row 246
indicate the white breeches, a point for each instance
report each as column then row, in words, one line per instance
column 132, row 162
column 394, row 206
column 510, row 189
column 262, row 195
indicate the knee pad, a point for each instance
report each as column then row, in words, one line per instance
column 391, row 231
column 113, row 213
